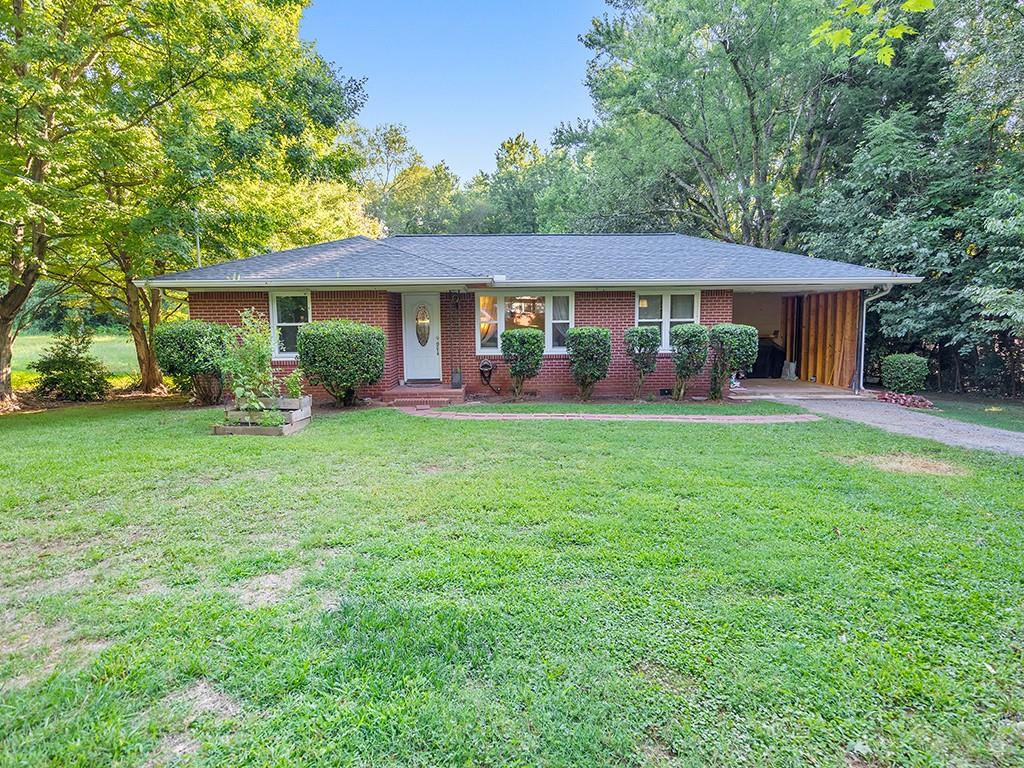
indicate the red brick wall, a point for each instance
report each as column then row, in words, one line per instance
column 378, row 308
column 615, row 310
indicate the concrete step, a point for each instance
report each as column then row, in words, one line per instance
column 416, row 402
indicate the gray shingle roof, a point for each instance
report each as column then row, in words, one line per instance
column 526, row 259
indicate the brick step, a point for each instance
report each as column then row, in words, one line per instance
column 412, row 395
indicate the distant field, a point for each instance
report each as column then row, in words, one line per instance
column 117, row 352
column 1000, row 412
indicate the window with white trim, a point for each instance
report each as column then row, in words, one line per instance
column 288, row 312
column 667, row 310
column 548, row 312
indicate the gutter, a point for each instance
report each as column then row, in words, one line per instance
column 858, row 386
column 499, row 281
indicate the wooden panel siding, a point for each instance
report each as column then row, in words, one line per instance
column 822, row 335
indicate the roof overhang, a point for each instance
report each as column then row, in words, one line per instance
column 781, row 285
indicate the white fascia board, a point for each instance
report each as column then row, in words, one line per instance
column 780, row 284
column 362, row 284
column 788, row 284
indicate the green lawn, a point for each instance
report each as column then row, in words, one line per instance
column 387, row 590
column 117, row 352
column 978, row 409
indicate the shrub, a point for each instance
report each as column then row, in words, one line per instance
column 689, row 354
column 247, row 361
column 642, row 346
column 590, row 354
column 67, row 370
column 293, row 383
column 735, row 348
column 904, row 373
column 341, row 355
column 193, row 354
column 523, row 351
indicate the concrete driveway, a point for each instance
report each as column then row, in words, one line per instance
column 903, row 421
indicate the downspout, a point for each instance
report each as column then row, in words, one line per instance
column 858, row 385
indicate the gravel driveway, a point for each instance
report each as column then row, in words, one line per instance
column 903, row 421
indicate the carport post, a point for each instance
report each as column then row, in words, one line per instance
column 858, row 381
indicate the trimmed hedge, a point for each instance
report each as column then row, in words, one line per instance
column 904, row 373
column 523, row 351
column 192, row 353
column 642, row 346
column 341, row 355
column 689, row 354
column 590, row 355
column 735, row 348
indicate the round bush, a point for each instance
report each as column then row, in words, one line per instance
column 735, row 349
column 67, row 370
column 904, row 373
column 689, row 353
column 642, row 345
column 341, row 355
column 193, row 353
column 523, row 351
column 590, row 355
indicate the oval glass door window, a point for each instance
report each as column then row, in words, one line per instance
column 422, row 325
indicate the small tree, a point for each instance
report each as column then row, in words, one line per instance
column 523, row 351
column 590, row 355
column 735, row 348
column 341, row 355
column 248, row 362
column 193, row 353
column 689, row 354
column 904, row 373
column 642, row 345
column 67, row 370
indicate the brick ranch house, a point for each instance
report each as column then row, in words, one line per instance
column 443, row 301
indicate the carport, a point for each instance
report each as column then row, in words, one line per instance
column 808, row 337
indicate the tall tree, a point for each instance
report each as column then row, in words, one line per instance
column 50, row 124
column 177, row 100
column 751, row 107
column 423, row 201
column 386, row 152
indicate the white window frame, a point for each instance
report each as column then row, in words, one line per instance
column 666, row 311
column 274, row 296
column 548, row 305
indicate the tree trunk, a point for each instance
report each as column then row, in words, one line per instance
column 6, row 350
column 151, row 377
column 638, row 386
column 679, row 389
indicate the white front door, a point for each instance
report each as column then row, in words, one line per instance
column 421, row 318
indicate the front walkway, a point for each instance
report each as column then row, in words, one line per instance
column 778, row 418
column 903, row 421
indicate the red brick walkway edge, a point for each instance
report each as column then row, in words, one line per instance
column 780, row 418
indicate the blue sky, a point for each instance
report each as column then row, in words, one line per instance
column 462, row 75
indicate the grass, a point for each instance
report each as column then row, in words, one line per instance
column 1003, row 413
column 116, row 352
column 383, row 589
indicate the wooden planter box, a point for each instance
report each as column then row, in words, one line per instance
column 296, row 412
column 288, row 403
column 259, row 429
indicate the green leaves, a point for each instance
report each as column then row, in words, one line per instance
column 881, row 23
column 917, row 6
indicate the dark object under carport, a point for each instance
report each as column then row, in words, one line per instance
column 770, row 357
